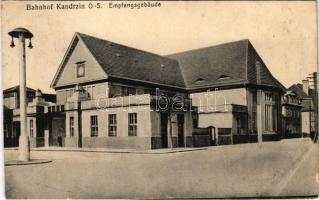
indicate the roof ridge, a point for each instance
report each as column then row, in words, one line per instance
column 125, row 46
column 207, row 47
column 17, row 87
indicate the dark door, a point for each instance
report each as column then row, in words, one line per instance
column 58, row 132
column 180, row 124
column 164, row 121
column 15, row 134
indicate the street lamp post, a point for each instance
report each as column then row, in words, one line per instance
column 24, row 143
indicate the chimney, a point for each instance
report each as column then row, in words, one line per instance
column 305, row 86
column 38, row 93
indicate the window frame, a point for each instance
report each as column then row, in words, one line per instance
column 94, row 126
column 31, row 127
column 128, row 91
column 132, row 124
column 270, row 112
column 78, row 66
column 71, row 126
column 112, row 131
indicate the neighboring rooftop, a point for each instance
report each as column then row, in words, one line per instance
column 17, row 88
column 297, row 88
column 306, row 102
column 46, row 96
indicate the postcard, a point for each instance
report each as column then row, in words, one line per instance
column 159, row 99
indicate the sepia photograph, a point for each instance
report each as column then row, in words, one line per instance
column 159, row 99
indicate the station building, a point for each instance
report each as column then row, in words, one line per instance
column 112, row 96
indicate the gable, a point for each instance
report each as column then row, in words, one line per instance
column 67, row 73
column 265, row 77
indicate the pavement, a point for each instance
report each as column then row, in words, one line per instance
column 270, row 169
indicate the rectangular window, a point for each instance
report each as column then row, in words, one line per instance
column 127, row 91
column 71, row 126
column 270, row 112
column 31, row 128
column 132, row 124
column 112, row 125
column 94, row 126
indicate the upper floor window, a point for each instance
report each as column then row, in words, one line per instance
column 80, row 69
column 127, row 91
column 94, row 126
column 90, row 89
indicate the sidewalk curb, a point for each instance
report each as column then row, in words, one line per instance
column 30, row 162
column 119, row 151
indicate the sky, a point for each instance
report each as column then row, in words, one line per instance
column 283, row 33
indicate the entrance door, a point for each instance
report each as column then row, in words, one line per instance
column 58, row 132
column 164, row 120
column 180, row 124
column 15, row 134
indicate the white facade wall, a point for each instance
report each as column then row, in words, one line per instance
column 220, row 97
column 143, row 121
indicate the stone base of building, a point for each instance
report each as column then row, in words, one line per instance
column 189, row 141
column 271, row 137
column 156, row 143
column 36, row 142
column 201, row 140
column 71, row 142
column 133, row 142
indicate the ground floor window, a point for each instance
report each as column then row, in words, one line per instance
column 270, row 112
column 94, row 126
column 112, row 125
column 31, row 128
column 71, row 126
column 132, row 124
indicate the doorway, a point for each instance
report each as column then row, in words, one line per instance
column 180, row 124
column 58, row 132
column 15, row 134
column 164, row 120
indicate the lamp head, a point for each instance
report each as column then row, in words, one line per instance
column 18, row 31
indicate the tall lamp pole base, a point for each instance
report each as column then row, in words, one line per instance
column 24, row 148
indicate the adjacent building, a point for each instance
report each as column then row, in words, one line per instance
column 305, row 94
column 35, row 118
column 291, row 112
